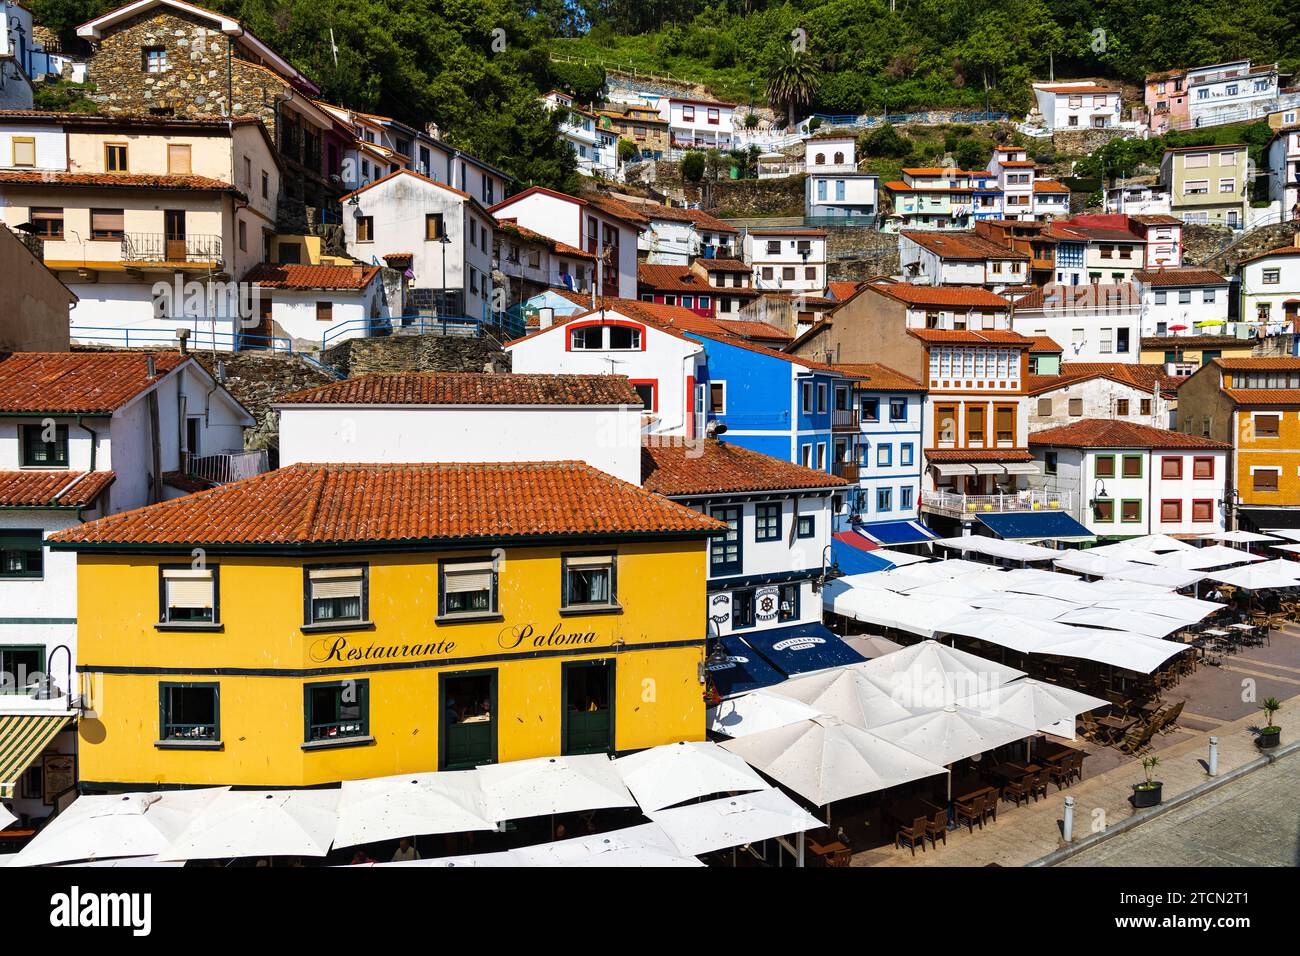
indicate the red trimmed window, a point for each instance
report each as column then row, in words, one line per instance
column 1203, row 510
column 1203, row 468
column 1171, row 466
column 1171, row 510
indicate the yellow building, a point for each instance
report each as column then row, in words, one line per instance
column 1192, row 350
column 1254, row 404
column 330, row 622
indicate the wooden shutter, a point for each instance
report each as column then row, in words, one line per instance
column 335, row 583
column 178, row 159
column 190, row 588
column 471, row 576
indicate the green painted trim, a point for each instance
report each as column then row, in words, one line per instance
column 38, row 620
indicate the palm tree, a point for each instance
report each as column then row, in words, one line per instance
column 792, row 84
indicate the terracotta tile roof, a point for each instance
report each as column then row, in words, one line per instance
column 529, row 235
column 1179, row 277
column 1174, row 342
column 722, row 265
column 961, row 245
column 1156, row 220
column 1291, row 250
column 1264, row 363
column 1076, row 90
column 1264, row 396
column 78, row 382
column 186, row 483
column 1144, row 377
column 670, row 319
column 842, row 290
column 469, row 388
column 52, row 489
column 1044, row 343
column 943, row 171
column 1049, row 186
column 761, row 331
column 117, row 181
column 942, row 295
column 873, row 375
column 1037, row 384
column 678, row 467
column 617, row 208
column 966, row 337
column 697, row 217
column 1111, row 433
column 319, row 505
column 271, row 275
column 665, row 278
column 977, row 454
column 1095, row 296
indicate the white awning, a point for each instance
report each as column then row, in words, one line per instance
column 413, row 804
column 674, row 773
column 988, row 468
column 954, row 468
column 1023, row 467
column 546, row 785
column 717, row 824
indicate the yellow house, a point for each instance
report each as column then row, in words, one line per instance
column 329, row 622
column 1254, row 404
column 1192, row 350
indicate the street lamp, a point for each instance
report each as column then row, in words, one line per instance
column 1098, row 494
column 445, row 241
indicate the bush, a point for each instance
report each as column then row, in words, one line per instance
column 886, row 141
column 693, row 166
column 626, row 150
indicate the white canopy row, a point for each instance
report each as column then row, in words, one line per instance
column 997, row 548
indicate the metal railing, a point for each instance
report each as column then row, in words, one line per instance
column 848, row 470
column 161, row 247
column 845, row 418
column 228, row 466
column 199, row 338
column 953, row 503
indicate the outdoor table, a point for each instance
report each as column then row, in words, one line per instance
column 907, row 811
column 1117, row 723
column 1242, row 627
column 1014, row 771
column 11, row 835
column 981, row 792
column 827, row 849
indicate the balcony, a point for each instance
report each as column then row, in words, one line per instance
column 199, row 249
column 848, row 470
column 956, row 505
column 227, row 466
column 845, row 419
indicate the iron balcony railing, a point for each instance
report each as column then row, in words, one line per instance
column 848, row 470
column 226, row 467
column 161, row 247
column 845, row 419
column 952, row 503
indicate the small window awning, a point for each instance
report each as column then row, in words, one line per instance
column 800, row 648
column 1036, row 526
column 897, row 532
column 743, row 670
column 954, row 468
column 22, row 738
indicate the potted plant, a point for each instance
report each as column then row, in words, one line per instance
column 1147, row 793
column 1268, row 737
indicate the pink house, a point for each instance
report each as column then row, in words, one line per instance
column 1165, row 97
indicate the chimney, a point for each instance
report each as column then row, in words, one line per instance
column 182, row 335
column 149, row 368
column 545, row 317
column 357, row 273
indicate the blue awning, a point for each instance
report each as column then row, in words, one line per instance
column 897, row 532
column 1036, row 526
column 802, row 647
column 851, row 559
column 743, row 670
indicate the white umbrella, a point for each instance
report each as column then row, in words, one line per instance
column 900, row 558
column 1240, row 537
column 123, row 863
column 105, row 827
column 1118, row 648
column 501, row 858
column 1063, row 587
column 1157, row 543
column 1119, row 588
column 413, row 804
column 1005, row 630
column 646, row 845
column 1025, row 605
column 872, row 645
column 826, row 760
column 1085, row 562
column 263, row 823
column 1169, row 578
column 930, row 674
column 733, row 821
column 1036, row 704
column 845, row 693
column 755, row 712
column 952, row 733
column 886, row 609
column 548, row 785
column 1016, row 579
column 962, row 589
column 1291, row 534
column 674, row 773
column 6, row 817
column 1120, row 551
column 1200, row 559
column 1139, row 622
column 1288, row 548
column 1278, row 573
column 1182, row 609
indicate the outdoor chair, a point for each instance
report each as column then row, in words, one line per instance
column 1061, row 773
column 971, row 813
column 913, row 835
column 938, row 827
column 1132, row 742
column 1091, row 729
column 1170, row 723
column 1016, row 790
column 1038, row 784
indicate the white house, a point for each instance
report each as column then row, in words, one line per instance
column 1141, row 394
column 1284, row 168
column 85, row 435
column 1163, row 235
column 1077, row 105
column 698, row 124
column 595, row 151
column 763, row 574
column 787, row 260
column 591, row 222
column 833, row 186
column 530, row 263
column 1195, row 299
column 1129, row 480
column 1146, row 198
column 1092, row 322
column 320, row 306
column 1270, row 289
column 960, row 258
column 1016, row 176
column 676, row 235
column 444, row 237
column 414, row 417
column 631, row 338
column 1230, row 92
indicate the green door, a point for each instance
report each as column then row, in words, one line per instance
column 468, row 722
column 588, row 700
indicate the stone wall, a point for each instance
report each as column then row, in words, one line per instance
column 1081, row 142
column 257, row 379
column 415, row 353
column 1253, row 243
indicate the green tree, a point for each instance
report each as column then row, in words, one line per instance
column 693, row 165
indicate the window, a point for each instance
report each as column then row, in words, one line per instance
column 884, row 455
column 243, row 236
column 742, row 609
column 467, row 588
column 266, row 184
column 45, row 446
column 884, row 499
column 767, row 521
column 688, row 114
column 1264, row 479
column 587, row 338
column 115, row 157
column 189, row 713
column 806, row 526
column 871, row 409
column 24, row 149
column 365, row 228
column 48, row 222
column 725, row 552
column 1202, row 509
column 1207, row 295
column 905, row 498
column 1049, row 462
column 1171, row 510
column 905, row 452
column 1266, row 426
column 153, row 59
column 1132, row 466
column 787, row 602
column 1044, row 407
column 589, row 580
column 178, row 159
column 1145, row 406
column 1005, row 423
column 975, row 425
column 821, row 398
column 718, row 398
column 1203, row 469
column 336, row 595
column 787, row 274
column 1171, row 467
column 433, row 226
column 898, row 409
column 646, row 390
column 22, row 668
column 1103, row 511
column 1272, row 276
column 336, row 710
column 188, row 595
column 1076, row 407
column 22, row 555
column 714, row 117
column 623, row 338
column 106, row 224
column 1105, row 466
column 1121, row 407
column 1130, row 510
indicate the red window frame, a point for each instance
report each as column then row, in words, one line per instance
column 1176, row 460
column 654, row 384
column 1208, row 504
column 1177, row 504
column 715, row 117
column 688, row 114
column 1196, row 462
column 571, row 327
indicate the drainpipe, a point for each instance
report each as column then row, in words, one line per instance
column 94, row 441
